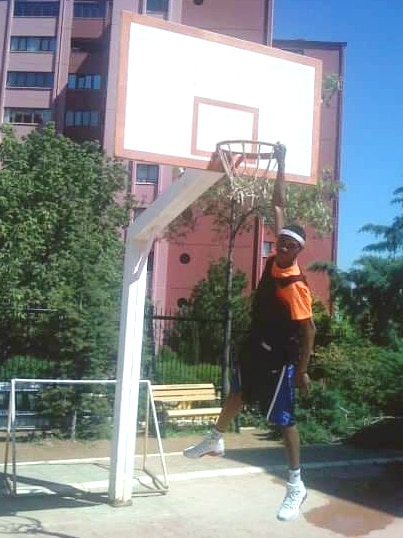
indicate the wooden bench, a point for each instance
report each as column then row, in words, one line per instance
column 185, row 401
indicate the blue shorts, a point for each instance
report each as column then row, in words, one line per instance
column 280, row 395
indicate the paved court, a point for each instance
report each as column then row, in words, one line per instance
column 352, row 492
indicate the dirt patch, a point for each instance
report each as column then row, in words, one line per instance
column 55, row 449
column 49, row 448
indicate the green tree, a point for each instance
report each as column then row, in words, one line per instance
column 391, row 236
column 235, row 204
column 60, row 244
column 375, row 301
column 370, row 294
column 200, row 339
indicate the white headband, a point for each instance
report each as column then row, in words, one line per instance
column 294, row 235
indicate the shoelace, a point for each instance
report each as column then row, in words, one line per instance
column 292, row 499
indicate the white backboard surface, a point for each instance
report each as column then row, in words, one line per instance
column 181, row 90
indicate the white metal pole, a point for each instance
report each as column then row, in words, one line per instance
column 140, row 236
column 128, row 375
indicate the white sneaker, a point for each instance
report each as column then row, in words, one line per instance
column 295, row 496
column 212, row 445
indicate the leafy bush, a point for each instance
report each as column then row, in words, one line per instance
column 362, row 372
column 352, row 383
column 250, row 417
column 325, row 415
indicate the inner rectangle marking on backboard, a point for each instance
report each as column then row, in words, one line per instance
column 214, row 121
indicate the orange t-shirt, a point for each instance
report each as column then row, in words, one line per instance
column 296, row 295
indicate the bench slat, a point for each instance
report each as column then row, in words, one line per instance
column 208, row 411
column 173, row 395
column 182, row 393
column 179, row 399
column 183, row 386
column 179, row 390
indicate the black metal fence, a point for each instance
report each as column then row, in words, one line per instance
column 179, row 349
column 176, row 349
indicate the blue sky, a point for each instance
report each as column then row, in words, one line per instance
column 372, row 139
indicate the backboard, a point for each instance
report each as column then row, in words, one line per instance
column 181, row 90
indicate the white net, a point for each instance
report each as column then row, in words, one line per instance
column 247, row 158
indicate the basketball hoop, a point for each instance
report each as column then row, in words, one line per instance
column 247, row 159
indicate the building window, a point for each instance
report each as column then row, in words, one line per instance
column 157, row 6
column 33, row 44
column 86, row 45
column 36, row 9
column 24, row 79
column 84, row 82
column 89, row 10
column 27, row 115
column 82, row 118
column 147, row 173
column 267, row 248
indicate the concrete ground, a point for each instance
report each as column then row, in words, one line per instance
column 63, row 494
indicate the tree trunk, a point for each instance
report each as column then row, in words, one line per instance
column 226, row 364
column 73, row 425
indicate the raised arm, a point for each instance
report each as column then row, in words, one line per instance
column 279, row 189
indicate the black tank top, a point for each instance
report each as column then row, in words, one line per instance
column 271, row 317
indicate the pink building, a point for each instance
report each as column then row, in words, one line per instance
column 59, row 59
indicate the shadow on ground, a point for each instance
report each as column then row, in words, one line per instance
column 23, row 525
column 366, row 471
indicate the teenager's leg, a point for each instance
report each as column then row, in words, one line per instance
column 213, row 443
column 231, row 408
column 292, row 446
column 281, row 412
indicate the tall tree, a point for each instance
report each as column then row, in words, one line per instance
column 235, row 204
column 376, row 301
column 378, row 280
column 371, row 292
column 391, row 242
column 60, row 244
column 207, row 306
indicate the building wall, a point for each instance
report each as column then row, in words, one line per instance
column 21, row 61
column 251, row 20
column 66, row 29
column 86, row 46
